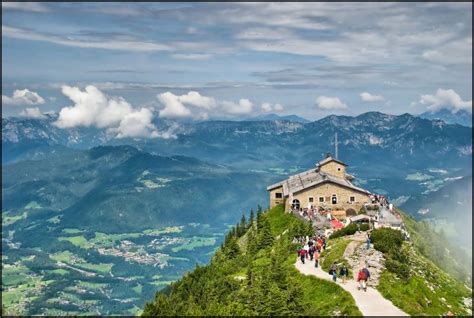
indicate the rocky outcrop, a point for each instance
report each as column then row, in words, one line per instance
column 373, row 259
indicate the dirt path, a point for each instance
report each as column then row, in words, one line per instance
column 370, row 303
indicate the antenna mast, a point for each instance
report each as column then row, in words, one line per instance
column 335, row 145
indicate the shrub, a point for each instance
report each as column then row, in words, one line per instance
column 386, row 239
column 351, row 212
column 349, row 230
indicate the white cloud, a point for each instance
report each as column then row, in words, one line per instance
column 191, row 56
column 110, row 44
column 23, row 97
column 137, row 124
column 93, row 108
column 174, row 108
column 195, row 105
column 367, row 97
column 32, row 113
column 267, row 107
column 330, row 103
column 24, row 6
column 446, row 98
column 278, row 107
column 195, row 99
column 244, row 106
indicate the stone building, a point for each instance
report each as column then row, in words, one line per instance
column 327, row 186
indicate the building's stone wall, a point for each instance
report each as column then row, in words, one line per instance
column 334, row 168
column 273, row 199
column 326, row 190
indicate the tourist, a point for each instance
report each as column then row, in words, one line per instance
column 368, row 241
column 367, row 274
column 324, row 243
column 316, row 258
column 306, row 248
column 333, row 271
column 311, row 252
column 302, row 254
column 361, row 280
column 344, row 272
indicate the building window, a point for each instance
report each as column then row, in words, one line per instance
column 321, row 199
column 352, row 199
column 338, row 169
column 310, row 199
column 278, row 195
column 334, row 199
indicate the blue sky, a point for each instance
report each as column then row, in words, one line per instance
column 242, row 59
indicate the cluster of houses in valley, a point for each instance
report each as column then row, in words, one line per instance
column 326, row 196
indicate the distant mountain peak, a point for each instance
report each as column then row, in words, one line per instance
column 273, row 116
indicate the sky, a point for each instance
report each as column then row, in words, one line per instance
column 116, row 65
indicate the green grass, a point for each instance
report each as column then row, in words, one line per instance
column 279, row 220
column 103, row 268
column 166, row 230
column 33, row 205
column 79, row 241
column 71, row 231
column 55, row 219
column 64, row 256
column 59, row 271
column 9, row 220
column 416, row 297
column 335, row 254
column 196, row 242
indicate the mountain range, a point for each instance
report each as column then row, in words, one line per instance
column 77, row 196
column 460, row 117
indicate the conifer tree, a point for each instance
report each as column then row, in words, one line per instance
column 266, row 237
column 259, row 219
column 252, row 244
column 232, row 248
column 251, row 218
column 242, row 226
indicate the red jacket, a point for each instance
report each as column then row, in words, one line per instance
column 302, row 252
column 361, row 276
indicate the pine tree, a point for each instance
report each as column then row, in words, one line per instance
column 259, row 219
column 252, row 244
column 242, row 226
column 266, row 237
column 251, row 219
column 232, row 249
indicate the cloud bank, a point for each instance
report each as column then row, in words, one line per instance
column 367, row 97
column 23, row 97
column 446, row 98
column 32, row 113
column 267, row 107
column 93, row 108
column 196, row 106
column 330, row 103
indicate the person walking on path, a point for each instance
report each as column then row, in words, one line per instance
column 316, row 258
column 343, row 273
column 333, row 271
column 368, row 241
column 302, row 254
column 311, row 252
column 324, row 243
column 367, row 274
column 361, row 279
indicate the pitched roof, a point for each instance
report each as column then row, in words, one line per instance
column 310, row 178
column 328, row 160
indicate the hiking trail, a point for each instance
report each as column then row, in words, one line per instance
column 370, row 303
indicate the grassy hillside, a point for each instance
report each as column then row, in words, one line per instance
column 414, row 283
column 443, row 252
column 253, row 274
